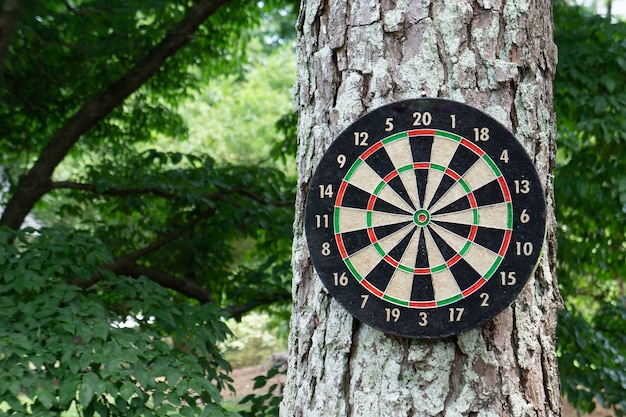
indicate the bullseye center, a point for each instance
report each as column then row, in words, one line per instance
column 421, row 217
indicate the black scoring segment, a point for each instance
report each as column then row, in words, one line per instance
column 383, row 231
column 446, row 250
column 488, row 194
column 462, row 160
column 464, row 274
column 355, row 241
column 422, row 253
column 458, row 228
column 380, row 163
column 461, row 204
column 421, row 147
column 422, row 289
column 398, row 186
column 445, row 184
column 379, row 276
column 382, row 205
column 354, row 197
column 490, row 238
column 397, row 252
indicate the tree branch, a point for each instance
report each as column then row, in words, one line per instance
column 164, row 279
column 127, row 265
column 121, row 192
column 238, row 310
column 130, row 258
column 154, row 246
column 37, row 181
column 81, row 186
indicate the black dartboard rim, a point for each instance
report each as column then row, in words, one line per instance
column 425, row 218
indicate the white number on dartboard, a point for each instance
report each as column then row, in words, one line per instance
column 456, row 313
column 423, row 319
column 392, row 313
column 389, row 124
column 364, row 297
column 325, row 248
column 340, row 279
column 420, row 118
column 321, row 221
column 481, row 134
column 360, row 138
column 326, row 191
column 524, row 217
column 508, row 278
column 341, row 160
column 485, row 299
column 522, row 186
column 525, row 248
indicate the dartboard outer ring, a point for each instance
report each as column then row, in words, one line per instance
column 425, row 218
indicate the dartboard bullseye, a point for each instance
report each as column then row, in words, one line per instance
column 425, row 218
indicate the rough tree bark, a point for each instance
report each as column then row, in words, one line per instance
column 354, row 56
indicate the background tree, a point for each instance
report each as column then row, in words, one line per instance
column 590, row 180
column 355, row 56
column 133, row 228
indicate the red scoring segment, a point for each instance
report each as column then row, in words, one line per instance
column 474, row 287
column 372, row 288
column 422, row 132
column 371, row 150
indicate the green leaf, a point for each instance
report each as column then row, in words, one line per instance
column 46, row 397
column 101, row 329
column 67, row 390
column 143, row 378
column 127, row 390
column 85, row 394
column 259, row 382
column 130, row 198
column 15, row 404
column 15, row 387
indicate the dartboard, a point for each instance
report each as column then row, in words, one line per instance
column 425, row 218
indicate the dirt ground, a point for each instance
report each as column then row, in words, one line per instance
column 244, row 381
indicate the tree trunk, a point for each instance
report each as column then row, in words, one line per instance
column 358, row 55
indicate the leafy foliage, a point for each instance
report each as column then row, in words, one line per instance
column 595, row 358
column 590, row 183
column 137, row 225
column 61, row 345
column 265, row 405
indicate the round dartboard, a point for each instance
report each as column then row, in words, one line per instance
column 425, row 218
